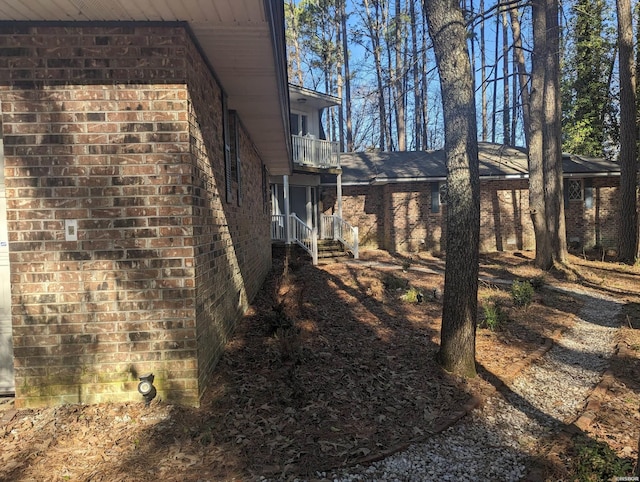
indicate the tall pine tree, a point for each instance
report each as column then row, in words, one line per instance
column 586, row 84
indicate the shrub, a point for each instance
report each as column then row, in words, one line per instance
column 412, row 295
column 522, row 293
column 493, row 317
column 597, row 461
column 394, row 283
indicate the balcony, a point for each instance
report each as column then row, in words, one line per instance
column 311, row 152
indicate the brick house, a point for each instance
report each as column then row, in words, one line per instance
column 138, row 139
column 397, row 199
column 297, row 215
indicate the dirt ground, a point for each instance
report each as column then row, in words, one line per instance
column 331, row 366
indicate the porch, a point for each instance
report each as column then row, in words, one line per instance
column 332, row 227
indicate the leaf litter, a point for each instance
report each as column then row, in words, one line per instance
column 327, row 368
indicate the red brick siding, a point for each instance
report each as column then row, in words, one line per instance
column 597, row 226
column 97, row 127
column 505, row 223
column 232, row 242
column 398, row 217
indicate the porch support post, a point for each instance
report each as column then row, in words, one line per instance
column 320, row 214
column 339, row 194
column 287, row 209
column 337, row 220
column 309, row 207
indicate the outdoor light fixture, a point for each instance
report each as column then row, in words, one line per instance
column 146, row 388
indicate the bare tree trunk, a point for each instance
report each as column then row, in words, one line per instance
column 417, row 100
column 483, row 76
column 610, row 71
column 494, row 111
column 506, row 110
column 472, row 43
column 424, row 107
column 295, row 68
column 552, row 166
column 391, row 141
column 628, row 239
column 460, row 303
column 518, row 53
column 347, row 75
column 340, row 83
column 514, row 103
column 399, row 80
column 536, row 172
column 373, row 25
column 545, row 152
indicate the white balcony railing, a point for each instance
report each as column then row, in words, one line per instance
column 312, row 152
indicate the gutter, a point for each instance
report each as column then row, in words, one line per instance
column 503, row 177
column 274, row 12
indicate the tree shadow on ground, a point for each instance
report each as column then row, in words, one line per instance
column 346, row 376
column 339, row 378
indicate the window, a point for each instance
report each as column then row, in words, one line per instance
column 574, row 189
column 227, row 150
column 236, row 164
column 266, row 192
column 299, row 124
column 443, row 192
column 438, row 195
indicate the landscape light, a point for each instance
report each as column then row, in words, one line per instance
column 146, row 388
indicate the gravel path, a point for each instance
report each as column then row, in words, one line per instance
column 494, row 442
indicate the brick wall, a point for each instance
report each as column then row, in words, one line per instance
column 231, row 239
column 598, row 225
column 505, row 222
column 119, row 128
column 398, row 217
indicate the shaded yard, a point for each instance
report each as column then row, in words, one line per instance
column 331, row 366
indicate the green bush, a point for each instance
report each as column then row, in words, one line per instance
column 522, row 293
column 412, row 295
column 597, row 461
column 493, row 317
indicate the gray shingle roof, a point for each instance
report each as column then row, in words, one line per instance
column 496, row 161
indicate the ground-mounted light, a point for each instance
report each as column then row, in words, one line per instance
column 146, row 388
